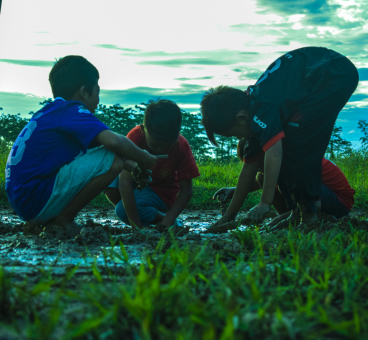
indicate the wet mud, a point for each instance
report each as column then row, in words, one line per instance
column 27, row 251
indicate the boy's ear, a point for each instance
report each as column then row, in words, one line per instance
column 242, row 115
column 80, row 94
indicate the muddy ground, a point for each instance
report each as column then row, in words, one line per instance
column 26, row 252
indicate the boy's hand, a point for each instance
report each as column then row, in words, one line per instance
column 222, row 220
column 142, row 177
column 224, row 194
column 257, row 213
column 148, row 161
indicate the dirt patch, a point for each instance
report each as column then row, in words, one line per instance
column 25, row 249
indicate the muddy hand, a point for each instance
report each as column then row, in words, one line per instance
column 142, row 177
column 222, row 220
column 224, row 194
column 222, row 228
column 256, row 214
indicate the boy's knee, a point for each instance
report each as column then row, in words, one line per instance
column 117, row 165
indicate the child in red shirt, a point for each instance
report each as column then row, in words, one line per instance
column 171, row 189
column 337, row 196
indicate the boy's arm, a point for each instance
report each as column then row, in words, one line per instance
column 126, row 187
column 272, row 166
column 125, row 148
column 185, row 194
column 244, row 186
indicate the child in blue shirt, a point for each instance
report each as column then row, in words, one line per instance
column 65, row 156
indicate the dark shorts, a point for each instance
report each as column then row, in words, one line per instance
column 331, row 205
column 305, row 143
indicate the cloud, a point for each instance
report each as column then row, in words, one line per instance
column 61, row 43
column 186, row 94
column 352, row 131
column 178, row 62
column 36, row 63
column 363, row 74
column 317, row 12
column 115, row 47
column 335, row 24
column 198, row 78
column 193, row 87
column 179, row 59
column 23, row 103
column 250, row 74
column 358, row 97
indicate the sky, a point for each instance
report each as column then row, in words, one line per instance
column 173, row 49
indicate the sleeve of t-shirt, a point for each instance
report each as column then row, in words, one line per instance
column 80, row 123
column 136, row 136
column 187, row 167
column 266, row 125
column 252, row 150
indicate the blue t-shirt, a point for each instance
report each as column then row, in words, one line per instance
column 55, row 136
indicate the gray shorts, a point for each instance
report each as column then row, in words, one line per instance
column 73, row 177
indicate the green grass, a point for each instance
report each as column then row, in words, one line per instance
column 3, row 158
column 217, row 175
column 355, row 168
column 286, row 286
column 291, row 285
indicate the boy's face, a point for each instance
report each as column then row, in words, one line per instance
column 242, row 127
column 155, row 145
column 90, row 100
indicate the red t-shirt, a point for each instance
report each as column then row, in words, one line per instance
column 167, row 173
column 334, row 179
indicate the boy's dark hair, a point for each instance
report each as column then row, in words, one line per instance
column 71, row 73
column 240, row 149
column 219, row 107
column 162, row 119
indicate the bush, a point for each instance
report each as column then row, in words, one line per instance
column 4, row 151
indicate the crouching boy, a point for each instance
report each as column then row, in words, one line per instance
column 289, row 115
column 337, row 196
column 171, row 189
column 65, row 156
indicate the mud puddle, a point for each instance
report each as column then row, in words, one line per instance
column 26, row 251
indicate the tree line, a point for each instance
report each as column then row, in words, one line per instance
column 121, row 120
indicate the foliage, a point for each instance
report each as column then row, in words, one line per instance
column 117, row 118
column 337, row 144
column 193, row 131
column 121, row 120
column 4, row 151
column 355, row 167
column 363, row 126
column 10, row 127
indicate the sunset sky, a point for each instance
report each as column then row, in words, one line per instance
column 173, row 49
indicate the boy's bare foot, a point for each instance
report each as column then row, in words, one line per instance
column 71, row 229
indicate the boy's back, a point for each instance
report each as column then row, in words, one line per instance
column 56, row 135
